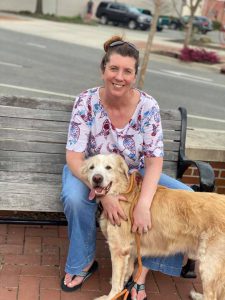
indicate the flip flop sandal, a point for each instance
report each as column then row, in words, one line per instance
column 84, row 274
column 138, row 287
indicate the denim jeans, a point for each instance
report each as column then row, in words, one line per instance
column 80, row 213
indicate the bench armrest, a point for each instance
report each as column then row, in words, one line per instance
column 206, row 173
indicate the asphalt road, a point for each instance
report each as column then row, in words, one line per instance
column 36, row 66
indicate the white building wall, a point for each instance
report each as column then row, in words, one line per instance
column 78, row 7
column 58, row 7
column 15, row 5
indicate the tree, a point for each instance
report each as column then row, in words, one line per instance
column 39, row 7
column 192, row 5
column 144, row 65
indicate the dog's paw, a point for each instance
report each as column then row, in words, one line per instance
column 196, row 296
column 105, row 297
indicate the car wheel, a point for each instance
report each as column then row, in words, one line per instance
column 103, row 20
column 173, row 26
column 132, row 24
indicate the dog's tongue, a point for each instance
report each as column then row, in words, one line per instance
column 91, row 194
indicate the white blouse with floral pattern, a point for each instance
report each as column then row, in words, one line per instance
column 92, row 132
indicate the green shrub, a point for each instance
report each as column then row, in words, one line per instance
column 216, row 25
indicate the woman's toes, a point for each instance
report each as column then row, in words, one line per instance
column 67, row 279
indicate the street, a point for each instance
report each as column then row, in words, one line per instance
column 41, row 67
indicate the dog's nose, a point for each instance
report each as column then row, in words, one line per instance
column 97, row 178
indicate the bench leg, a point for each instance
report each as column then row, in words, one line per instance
column 188, row 271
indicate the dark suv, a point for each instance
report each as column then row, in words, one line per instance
column 124, row 14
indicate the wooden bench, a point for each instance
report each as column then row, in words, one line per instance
column 33, row 135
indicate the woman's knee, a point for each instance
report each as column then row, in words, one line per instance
column 173, row 183
column 73, row 199
column 74, row 191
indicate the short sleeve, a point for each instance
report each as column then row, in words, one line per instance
column 79, row 129
column 152, row 130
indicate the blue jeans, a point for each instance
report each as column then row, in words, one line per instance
column 80, row 213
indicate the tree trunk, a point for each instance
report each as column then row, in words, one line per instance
column 188, row 36
column 189, row 33
column 39, row 7
column 149, row 45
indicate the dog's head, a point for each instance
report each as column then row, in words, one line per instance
column 106, row 174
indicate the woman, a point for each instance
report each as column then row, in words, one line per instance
column 119, row 118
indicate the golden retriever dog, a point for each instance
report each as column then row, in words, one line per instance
column 182, row 221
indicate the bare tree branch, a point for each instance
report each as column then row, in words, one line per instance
column 158, row 4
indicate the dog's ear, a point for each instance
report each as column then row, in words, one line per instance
column 123, row 167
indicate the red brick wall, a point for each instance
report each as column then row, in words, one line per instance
column 191, row 176
column 214, row 10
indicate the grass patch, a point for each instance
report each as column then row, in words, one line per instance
column 65, row 19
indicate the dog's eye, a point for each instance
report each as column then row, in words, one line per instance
column 91, row 167
column 108, row 168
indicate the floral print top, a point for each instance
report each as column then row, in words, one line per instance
column 92, row 132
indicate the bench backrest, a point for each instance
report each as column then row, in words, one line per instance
column 33, row 134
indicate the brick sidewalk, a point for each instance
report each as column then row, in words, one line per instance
column 32, row 262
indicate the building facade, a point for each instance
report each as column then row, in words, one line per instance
column 215, row 10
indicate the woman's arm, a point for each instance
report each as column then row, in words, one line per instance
column 142, row 217
column 75, row 161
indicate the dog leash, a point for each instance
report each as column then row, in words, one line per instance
column 135, row 177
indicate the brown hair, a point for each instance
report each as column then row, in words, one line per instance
column 124, row 49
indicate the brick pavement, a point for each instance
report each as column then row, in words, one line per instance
column 32, row 262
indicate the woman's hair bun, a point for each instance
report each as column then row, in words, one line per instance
column 113, row 39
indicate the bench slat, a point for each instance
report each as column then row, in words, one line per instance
column 31, row 167
column 170, row 168
column 9, row 122
column 56, row 137
column 32, row 124
column 170, row 114
column 32, row 146
column 170, row 125
column 33, row 135
column 27, row 177
column 14, row 156
column 37, row 158
column 8, row 145
column 37, row 103
column 31, row 202
column 28, row 113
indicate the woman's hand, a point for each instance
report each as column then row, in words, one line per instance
column 142, row 219
column 112, row 209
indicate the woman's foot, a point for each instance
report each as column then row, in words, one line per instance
column 73, row 282
column 138, row 292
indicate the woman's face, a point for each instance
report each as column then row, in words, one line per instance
column 119, row 75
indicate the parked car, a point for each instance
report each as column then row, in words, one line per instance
column 176, row 23
column 200, row 24
column 148, row 13
column 119, row 13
